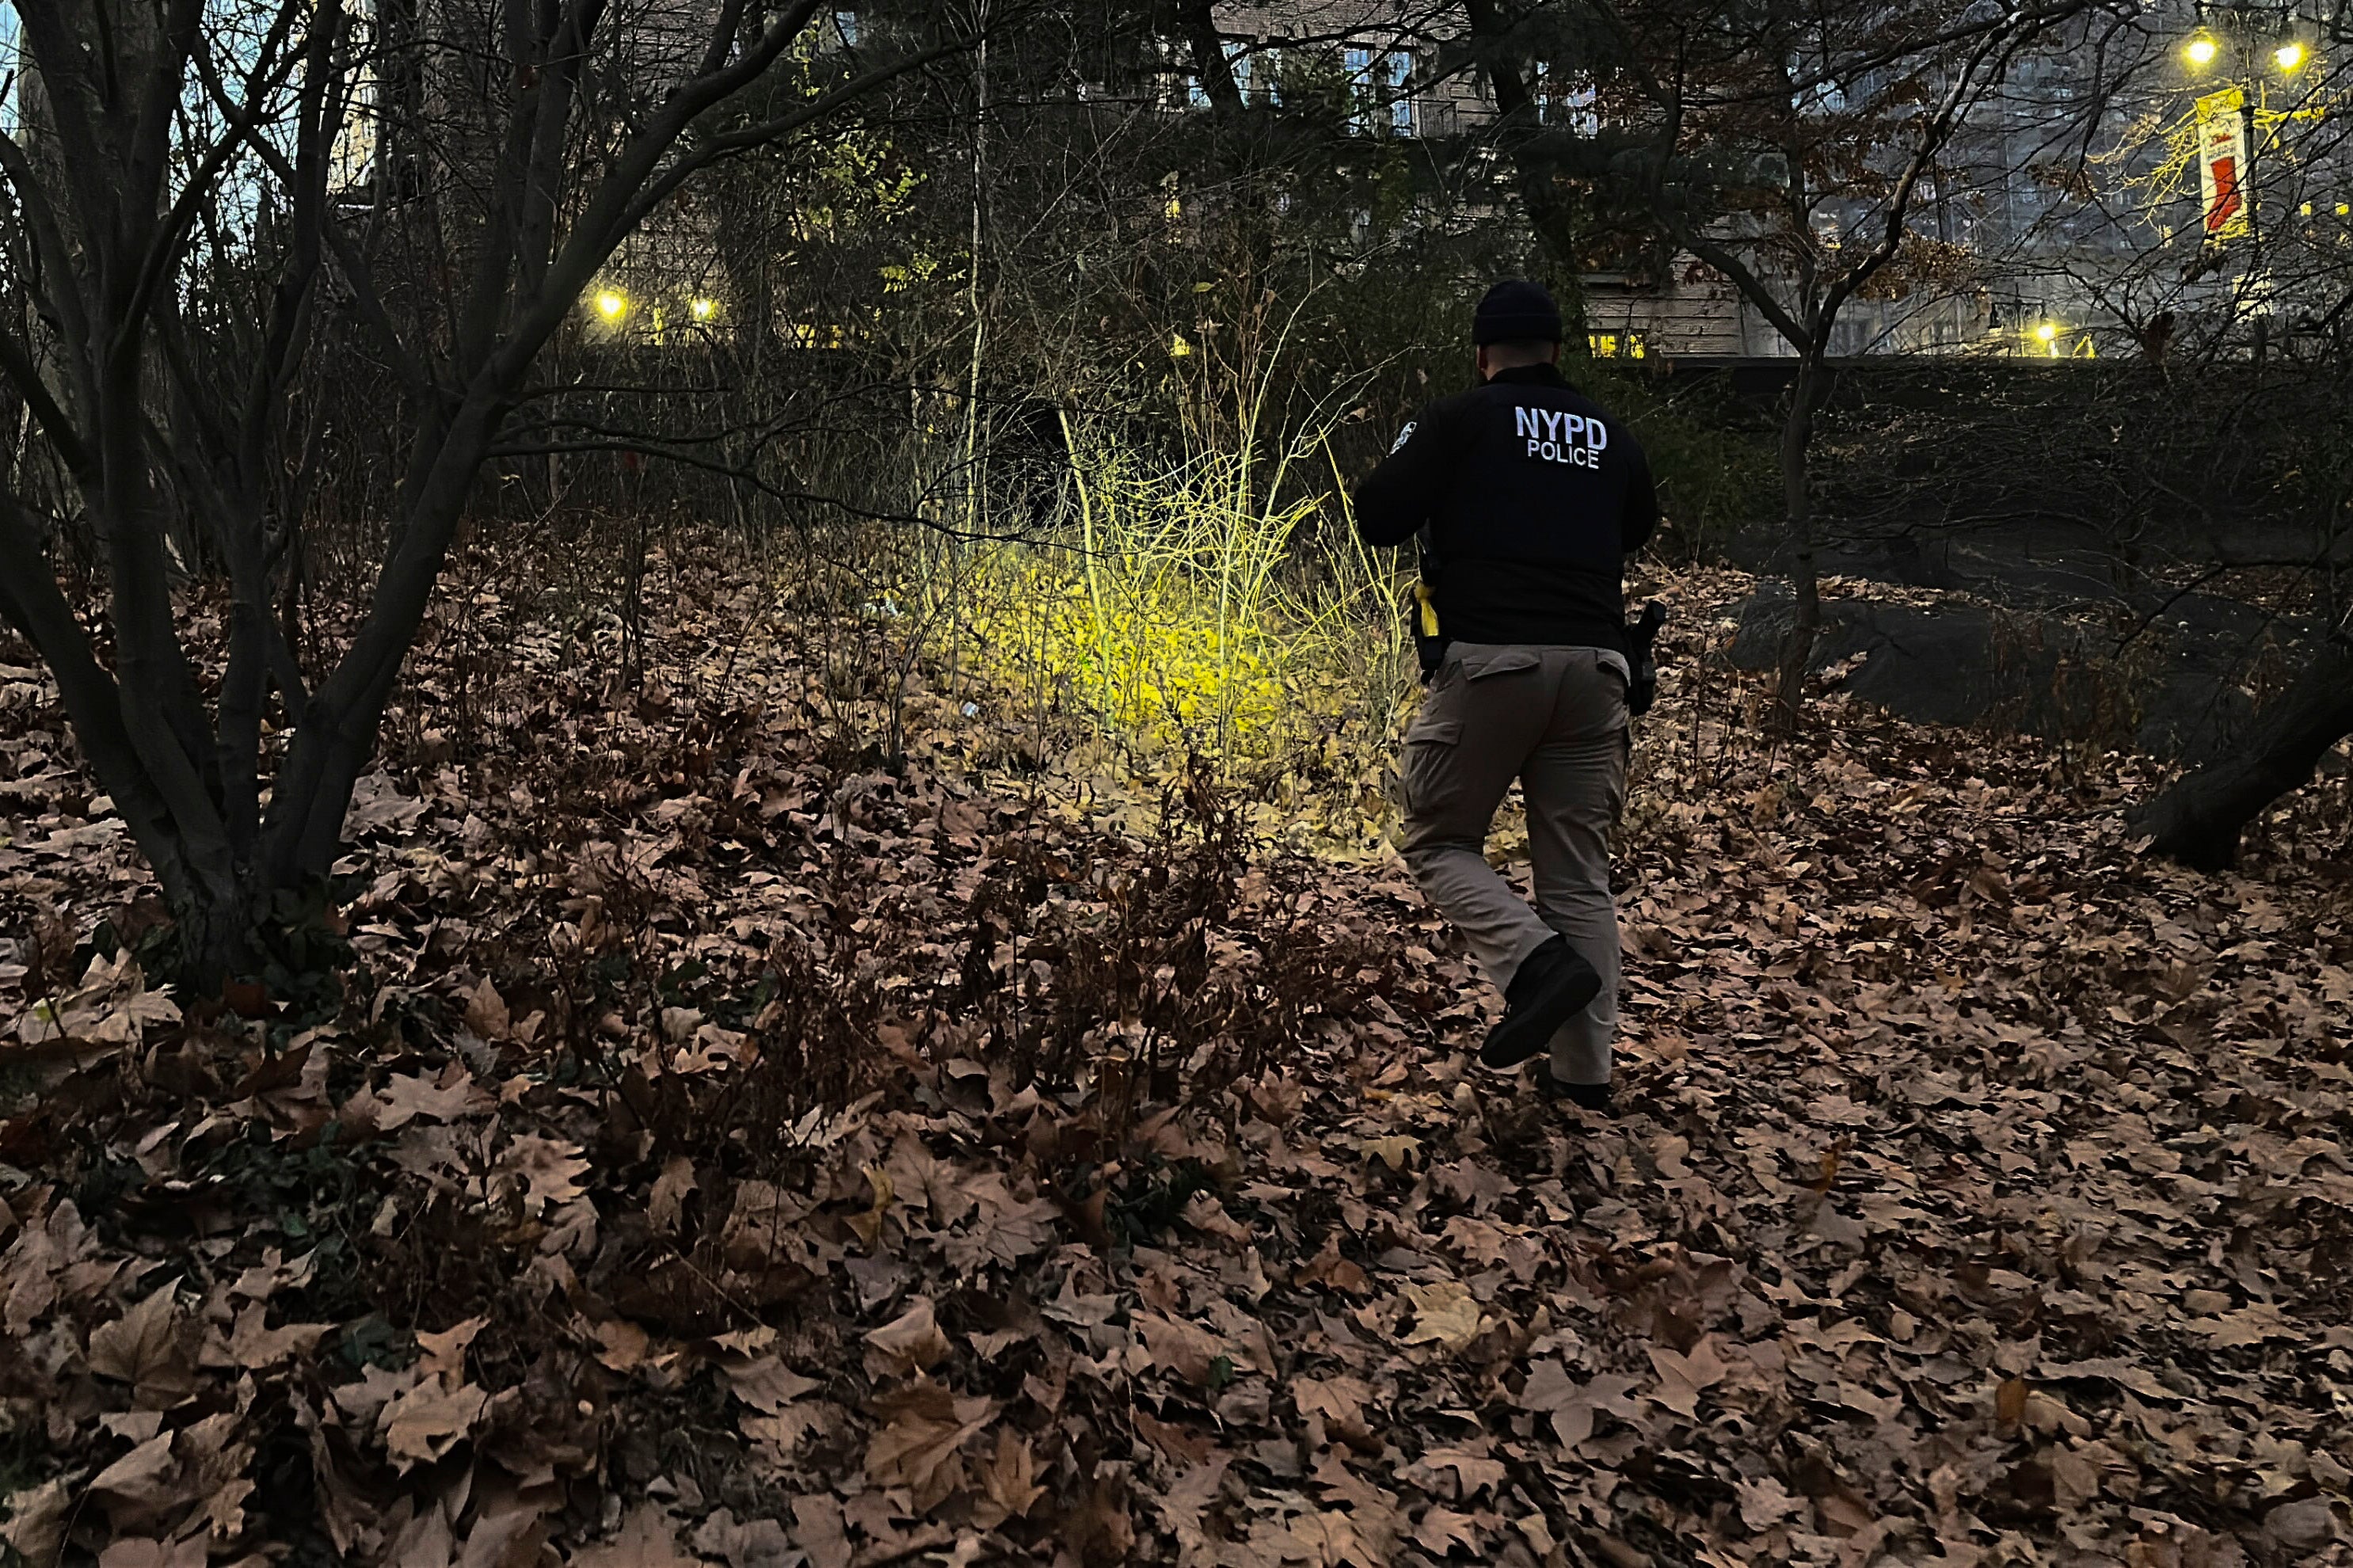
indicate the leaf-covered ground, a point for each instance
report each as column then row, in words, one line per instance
column 726, row 1149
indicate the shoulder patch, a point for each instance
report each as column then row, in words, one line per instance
column 1403, row 436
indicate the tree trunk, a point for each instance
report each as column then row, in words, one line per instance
column 1805, row 626
column 121, row 159
column 216, row 937
column 1198, row 24
column 2199, row 820
column 1551, row 216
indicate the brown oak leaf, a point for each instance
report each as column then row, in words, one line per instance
column 925, row 1426
column 429, row 1420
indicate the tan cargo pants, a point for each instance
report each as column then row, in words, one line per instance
column 1555, row 718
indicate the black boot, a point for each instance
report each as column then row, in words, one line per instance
column 1594, row 1097
column 1552, row 987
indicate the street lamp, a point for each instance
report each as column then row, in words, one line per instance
column 2287, row 31
column 2246, row 42
column 612, row 304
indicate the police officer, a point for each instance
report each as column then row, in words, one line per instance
column 1527, row 497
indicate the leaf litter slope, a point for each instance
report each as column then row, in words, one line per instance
column 734, row 1156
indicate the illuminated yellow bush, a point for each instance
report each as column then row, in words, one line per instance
column 1179, row 610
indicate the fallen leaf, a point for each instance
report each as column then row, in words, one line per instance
column 868, row 1225
column 136, row 1553
column 747, row 1543
column 258, row 1347
column 551, row 1169
column 925, row 1426
column 1441, row 1530
column 666, row 1207
column 647, row 1539
column 486, row 1012
column 621, row 1344
column 143, row 1348
column 1572, row 1405
column 2304, row 1526
column 1186, row 1349
column 1683, row 1378
column 767, row 1384
column 1456, row 1473
column 913, row 1339
column 1180, row 1444
column 429, row 1420
column 404, row 1098
column 1008, row 1481
column 446, row 1351
column 35, row 1521
column 1101, row 1531
column 1766, row 1502
column 144, row 1482
column 1445, row 1313
column 818, row 1530
column 1328, row 1268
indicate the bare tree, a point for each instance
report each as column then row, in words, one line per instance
column 2198, row 821
column 1784, row 146
column 157, row 121
column 2260, row 308
column 1510, row 50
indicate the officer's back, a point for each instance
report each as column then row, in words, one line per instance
column 1527, row 497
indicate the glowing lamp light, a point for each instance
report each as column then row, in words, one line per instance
column 2201, row 50
column 2046, row 331
column 612, row 304
column 2290, row 57
column 703, row 310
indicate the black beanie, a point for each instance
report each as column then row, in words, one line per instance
column 1516, row 311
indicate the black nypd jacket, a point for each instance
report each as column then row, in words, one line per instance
column 1528, row 499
